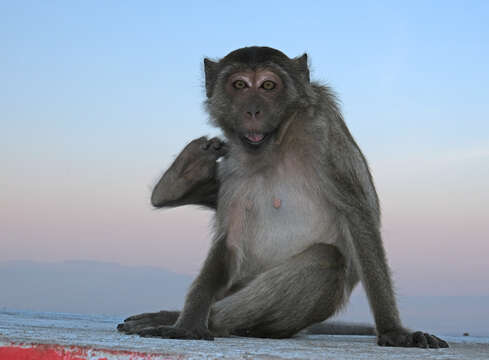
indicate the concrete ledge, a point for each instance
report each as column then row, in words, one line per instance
column 53, row 336
column 58, row 352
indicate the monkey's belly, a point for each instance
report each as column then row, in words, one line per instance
column 266, row 228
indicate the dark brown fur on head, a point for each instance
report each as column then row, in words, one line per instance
column 235, row 113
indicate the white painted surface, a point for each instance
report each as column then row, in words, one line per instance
column 98, row 332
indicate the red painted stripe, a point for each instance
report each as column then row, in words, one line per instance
column 58, row 352
column 40, row 352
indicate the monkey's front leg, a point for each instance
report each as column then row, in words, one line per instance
column 193, row 320
column 364, row 235
column 191, row 179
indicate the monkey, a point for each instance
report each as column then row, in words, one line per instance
column 297, row 217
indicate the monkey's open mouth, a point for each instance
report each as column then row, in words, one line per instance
column 255, row 139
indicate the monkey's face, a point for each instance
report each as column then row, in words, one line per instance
column 255, row 105
column 252, row 91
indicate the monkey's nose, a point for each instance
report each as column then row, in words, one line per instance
column 253, row 114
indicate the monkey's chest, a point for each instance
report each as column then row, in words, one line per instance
column 269, row 220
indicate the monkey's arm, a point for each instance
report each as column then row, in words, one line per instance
column 355, row 197
column 192, row 322
column 191, row 179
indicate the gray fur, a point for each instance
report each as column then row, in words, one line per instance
column 310, row 285
column 297, row 223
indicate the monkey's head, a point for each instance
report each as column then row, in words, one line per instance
column 252, row 91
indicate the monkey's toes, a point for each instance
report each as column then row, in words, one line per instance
column 435, row 342
column 124, row 327
column 416, row 339
column 130, row 327
column 425, row 340
column 135, row 323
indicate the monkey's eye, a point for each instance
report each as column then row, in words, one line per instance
column 239, row 84
column 268, row 85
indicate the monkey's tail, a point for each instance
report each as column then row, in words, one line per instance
column 340, row 328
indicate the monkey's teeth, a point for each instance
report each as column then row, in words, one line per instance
column 255, row 137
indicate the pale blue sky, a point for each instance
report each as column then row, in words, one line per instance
column 97, row 98
column 414, row 74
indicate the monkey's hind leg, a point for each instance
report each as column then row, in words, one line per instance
column 280, row 302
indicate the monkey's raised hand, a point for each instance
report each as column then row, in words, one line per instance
column 191, row 179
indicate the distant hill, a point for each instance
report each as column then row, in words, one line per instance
column 447, row 315
column 89, row 287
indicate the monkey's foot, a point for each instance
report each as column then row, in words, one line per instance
column 407, row 339
column 171, row 332
column 134, row 324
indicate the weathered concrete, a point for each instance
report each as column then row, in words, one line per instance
column 95, row 337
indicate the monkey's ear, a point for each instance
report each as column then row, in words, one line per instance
column 211, row 70
column 302, row 67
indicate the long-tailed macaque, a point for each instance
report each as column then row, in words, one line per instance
column 297, row 221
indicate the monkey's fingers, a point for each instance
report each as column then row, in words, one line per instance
column 216, row 145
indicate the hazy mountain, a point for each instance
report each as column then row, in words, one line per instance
column 450, row 315
column 89, row 287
